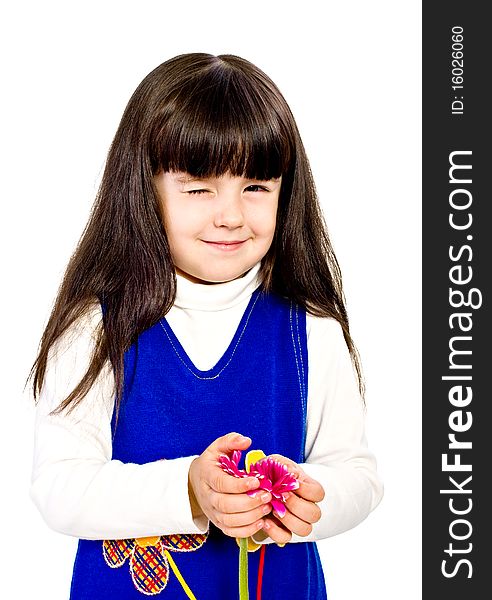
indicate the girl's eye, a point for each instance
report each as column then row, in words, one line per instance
column 258, row 188
column 197, row 191
column 251, row 188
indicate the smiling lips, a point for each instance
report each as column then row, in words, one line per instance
column 228, row 246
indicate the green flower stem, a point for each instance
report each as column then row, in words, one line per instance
column 243, row 569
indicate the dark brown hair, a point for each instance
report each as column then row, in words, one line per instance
column 206, row 115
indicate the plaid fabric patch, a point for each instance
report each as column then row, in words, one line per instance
column 149, row 569
column 183, row 543
column 115, row 552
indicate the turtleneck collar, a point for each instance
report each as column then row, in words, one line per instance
column 217, row 296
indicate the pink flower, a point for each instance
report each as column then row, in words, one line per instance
column 230, row 465
column 274, row 477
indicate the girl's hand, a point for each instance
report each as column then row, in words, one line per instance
column 221, row 497
column 302, row 510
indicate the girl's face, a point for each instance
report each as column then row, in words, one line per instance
column 218, row 228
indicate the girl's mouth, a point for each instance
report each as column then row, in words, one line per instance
column 227, row 246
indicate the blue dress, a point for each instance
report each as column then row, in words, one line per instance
column 171, row 409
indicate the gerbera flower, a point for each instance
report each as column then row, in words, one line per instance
column 274, row 477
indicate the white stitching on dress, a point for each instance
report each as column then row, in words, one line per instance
column 300, row 351
column 301, row 384
column 230, row 358
column 295, row 353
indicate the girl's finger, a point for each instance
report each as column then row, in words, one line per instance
column 238, row 503
column 225, row 484
column 276, row 531
column 294, row 524
column 310, row 489
column 241, row 532
column 290, row 464
column 303, row 509
column 243, row 519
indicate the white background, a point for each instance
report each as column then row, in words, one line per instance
column 351, row 74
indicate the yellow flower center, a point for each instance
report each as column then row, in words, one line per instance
column 253, row 457
column 147, row 541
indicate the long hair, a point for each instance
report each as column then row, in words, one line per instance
column 205, row 115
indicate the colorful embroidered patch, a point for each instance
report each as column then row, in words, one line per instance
column 183, row 543
column 149, row 559
column 117, row 551
column 149, row 569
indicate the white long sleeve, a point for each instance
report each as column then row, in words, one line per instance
column 81, row 492
column 76, row 486
column 336, row 454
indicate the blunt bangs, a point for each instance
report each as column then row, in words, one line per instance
column 223, row 120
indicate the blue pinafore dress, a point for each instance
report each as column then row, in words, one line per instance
column 171, row 409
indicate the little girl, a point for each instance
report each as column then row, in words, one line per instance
column 201, row 313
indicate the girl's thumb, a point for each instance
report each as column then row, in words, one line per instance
column 228, row 443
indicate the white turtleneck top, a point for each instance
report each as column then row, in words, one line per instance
column 81, row 491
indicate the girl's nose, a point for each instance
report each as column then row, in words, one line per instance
column 229, row 213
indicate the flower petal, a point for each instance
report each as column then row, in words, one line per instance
column 230, row 465
column 236, row 456
column 184, row 542
column 115, row 552
column 278, row 506
column 149, row 569
column 266, row 484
